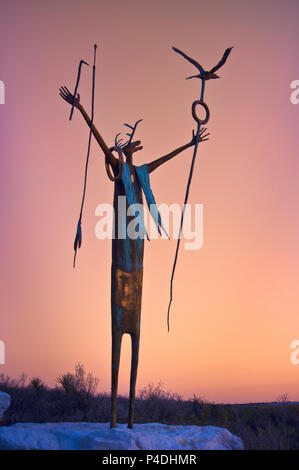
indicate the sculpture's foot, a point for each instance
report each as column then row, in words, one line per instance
column 113, row 424
column 130, row 425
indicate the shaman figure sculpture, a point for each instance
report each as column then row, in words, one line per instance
column 130, row 181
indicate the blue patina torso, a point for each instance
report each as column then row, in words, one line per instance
column 127, row 254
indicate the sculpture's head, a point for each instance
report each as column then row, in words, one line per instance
column 131, row 148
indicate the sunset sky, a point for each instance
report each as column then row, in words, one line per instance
column 235, row 311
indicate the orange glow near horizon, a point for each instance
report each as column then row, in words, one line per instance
column 235, row 308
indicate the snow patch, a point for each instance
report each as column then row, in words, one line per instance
column 96, row 436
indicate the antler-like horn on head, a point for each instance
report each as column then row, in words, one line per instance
column 133, row 130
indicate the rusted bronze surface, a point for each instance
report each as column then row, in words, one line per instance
column 128, row 288
column 126, row 293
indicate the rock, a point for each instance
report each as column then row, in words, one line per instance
column 4, row 403
column 95, row 436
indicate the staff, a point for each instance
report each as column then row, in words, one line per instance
column 203, row 75
column 78, row 238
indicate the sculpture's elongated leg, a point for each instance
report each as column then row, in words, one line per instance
column 116, row 347
column 134, row 366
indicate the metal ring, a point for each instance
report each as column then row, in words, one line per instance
column 121, row 161
column 202, row 103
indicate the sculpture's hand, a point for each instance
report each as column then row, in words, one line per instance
column 69, row 98
column 202, row 136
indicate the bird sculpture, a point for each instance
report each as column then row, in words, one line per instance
column 204, row 74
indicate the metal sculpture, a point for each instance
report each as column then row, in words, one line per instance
column 131, row 182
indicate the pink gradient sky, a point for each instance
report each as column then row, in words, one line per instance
column 236, row 304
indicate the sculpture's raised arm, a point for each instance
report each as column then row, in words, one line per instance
column 69, row 98
column 159, row 161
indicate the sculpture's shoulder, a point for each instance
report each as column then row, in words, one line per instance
column 141, row 170
column 141, row 167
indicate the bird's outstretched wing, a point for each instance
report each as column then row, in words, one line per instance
column 222, row 61
column 197, row 65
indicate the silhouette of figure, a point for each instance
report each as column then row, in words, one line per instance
column 127, row 253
